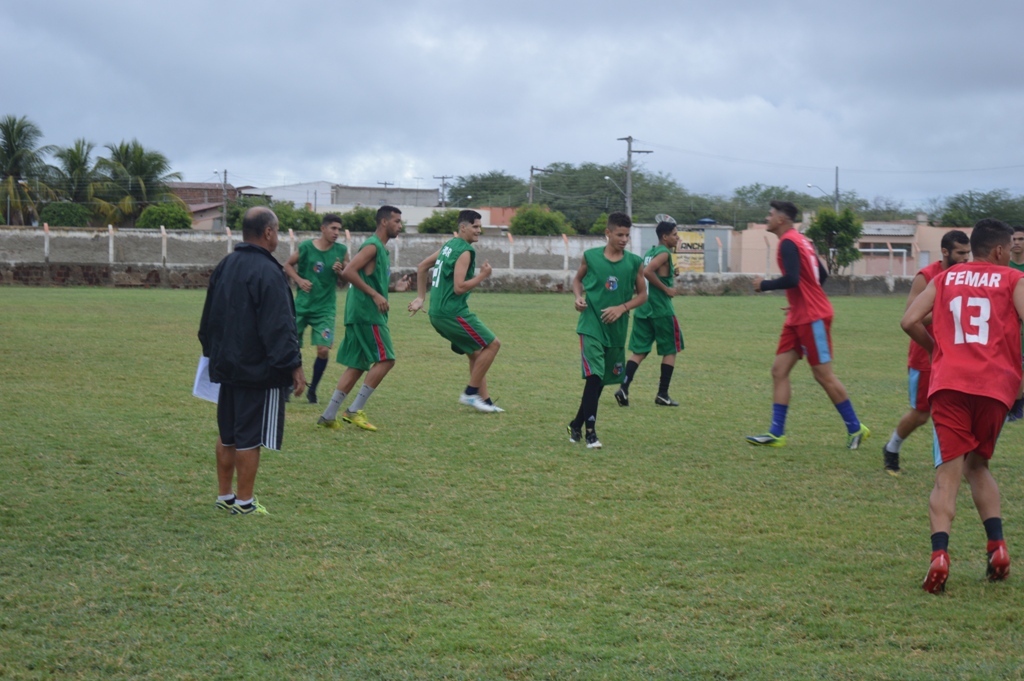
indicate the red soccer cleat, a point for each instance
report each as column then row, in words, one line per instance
column 998, row 562
column 938, row 572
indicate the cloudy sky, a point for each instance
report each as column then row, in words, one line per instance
column 911, row 99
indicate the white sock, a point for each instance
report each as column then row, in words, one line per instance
column 225, row 497
column 895, row 442
column 244, row 503
column 360, row 401
column 331, row 412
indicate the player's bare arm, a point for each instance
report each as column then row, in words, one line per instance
column 577, row 287
column 1018, row 298
column 916, row 288
column 365, row 260
column 422, row 270
column 610, row 315
column 913, row 319
column 656, row 268
column 462, row 285
column 289, row 269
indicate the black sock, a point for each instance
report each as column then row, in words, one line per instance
column 994, row 528
column 591, row 398
column 631, row 368
column 666, row 378
column 940, row 541
column 319, row 366
column 488, row 401
column 470, row 390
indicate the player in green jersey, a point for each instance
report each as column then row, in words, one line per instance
column 608, row 284
column 655, row 320
column 1017, row 263
column 367, row 344
column 316, row 268
column 453, row 279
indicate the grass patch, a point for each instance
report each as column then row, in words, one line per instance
column 458, row 545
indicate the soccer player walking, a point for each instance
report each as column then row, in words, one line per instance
column 655, row 320
column 367, row 343
column 316, row 268
column 248, row 333
column 976, row 311
column 956, row 248
column 807, row 330
column 608, row 284
column 454, row 278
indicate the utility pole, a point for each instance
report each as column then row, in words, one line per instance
column 532, row 171
column 837, row 191
column 444, row 187
column 629, row 171
column 224, row 189
column 387, row 184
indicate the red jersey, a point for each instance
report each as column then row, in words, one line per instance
column 918, row 357
column 977, row 332
column 807, row 301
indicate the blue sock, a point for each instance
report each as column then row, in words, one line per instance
column 778, row 428
column 845, row 410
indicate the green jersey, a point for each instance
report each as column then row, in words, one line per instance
column 658, row 304
column 607, row 284
column 317, row 266
column 1015, row 266
column 444, row 302
column 359, row 307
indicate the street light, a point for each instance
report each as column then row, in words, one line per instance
column 458, row 203
column 835, row 196
column 608, row 179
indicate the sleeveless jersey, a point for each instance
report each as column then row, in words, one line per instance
column 316, row 266
column 917, row 357
column 658, row 304
column 977, row 332
column 359, row 307
column 444, row 302
column 807, row 301
column 607, row 284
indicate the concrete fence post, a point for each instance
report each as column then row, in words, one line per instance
column 397, row 243
column 227, row 231
column 511, row 253
column 565, row 260
column 163, row 246
column 46, row 244
column 291, row 242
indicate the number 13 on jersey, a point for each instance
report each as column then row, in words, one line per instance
column 984, row 310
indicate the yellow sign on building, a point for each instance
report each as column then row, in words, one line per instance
column 690, row 251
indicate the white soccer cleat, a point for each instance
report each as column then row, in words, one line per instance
column 477, row 403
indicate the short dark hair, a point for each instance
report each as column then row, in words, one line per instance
column 331, row 218
column 955, row 236
column 664, row 228
column 469, row 217
column 989, row 233
column 1018, row 228
column 384, row 212
column 788, row 208
column 619, row 219
column 255, row 222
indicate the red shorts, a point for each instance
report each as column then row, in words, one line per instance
column 965, row 423
column 917, row 384
column 813, row 341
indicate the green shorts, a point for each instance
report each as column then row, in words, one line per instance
column 322, row 332
column 365, row 345
column 600, row 360
column 467, row 334
column 661, row 330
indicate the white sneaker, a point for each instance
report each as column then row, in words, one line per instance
column 476, row 402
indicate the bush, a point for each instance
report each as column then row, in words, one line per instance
column 65, row 214
column 170, row 215
column 535, row 220
column 442, row 222
column 360, row 220
column 600, row 225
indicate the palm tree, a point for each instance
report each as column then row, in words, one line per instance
column 21, row 168
column 133, row 178
column 75, row 176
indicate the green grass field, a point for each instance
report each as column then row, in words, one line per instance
column 459, row 545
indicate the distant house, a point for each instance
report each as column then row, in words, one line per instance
column 206, row 201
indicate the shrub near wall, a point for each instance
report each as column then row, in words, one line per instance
column 170, row 215
column 65, row 214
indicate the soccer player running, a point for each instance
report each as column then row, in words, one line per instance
column 454, row 278
column 1017, row 263
column 976, row 311
column 807, row 330
column 315, row 268
column 655, row 320
column 956, row 248
column 608, row 284
column 367, row 343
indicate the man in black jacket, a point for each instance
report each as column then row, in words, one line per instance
column 248, row 333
